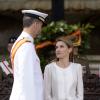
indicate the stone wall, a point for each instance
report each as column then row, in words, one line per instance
column 46, row 4
column 25, row 4
column 82, row 4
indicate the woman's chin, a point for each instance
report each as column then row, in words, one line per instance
column 59, row 57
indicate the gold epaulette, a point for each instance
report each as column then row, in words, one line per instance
column 15, row 48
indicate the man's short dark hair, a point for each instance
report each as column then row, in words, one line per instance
column 28, row 21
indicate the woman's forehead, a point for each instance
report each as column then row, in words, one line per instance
column 60, row 43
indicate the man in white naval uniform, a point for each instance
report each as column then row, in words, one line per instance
column 28, row 80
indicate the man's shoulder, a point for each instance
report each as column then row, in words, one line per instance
column 24, row 44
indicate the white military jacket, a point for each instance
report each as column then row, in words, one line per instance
column 28, row 80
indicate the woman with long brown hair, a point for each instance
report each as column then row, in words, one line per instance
column 62, row 78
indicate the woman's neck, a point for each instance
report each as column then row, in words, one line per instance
column 63, row 63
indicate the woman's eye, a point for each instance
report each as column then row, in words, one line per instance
column 61, row 46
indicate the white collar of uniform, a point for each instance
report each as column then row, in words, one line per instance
column 28, row 36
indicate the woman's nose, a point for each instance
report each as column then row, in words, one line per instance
column 58, row 49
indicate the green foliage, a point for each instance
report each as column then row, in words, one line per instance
column 6, row 57
column 43, row 62
column 60, row 28
column 85, row 31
